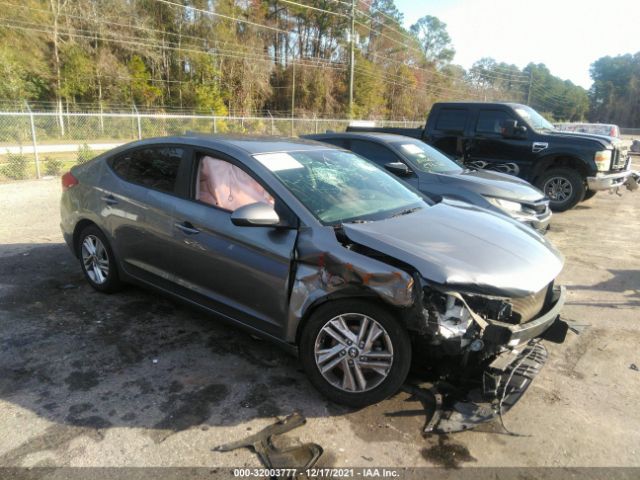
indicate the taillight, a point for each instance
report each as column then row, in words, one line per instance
column 68, row 181
column 612, row 132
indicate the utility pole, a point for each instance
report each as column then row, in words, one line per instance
column 293, row 94
column 352, row 39
column 530, row 85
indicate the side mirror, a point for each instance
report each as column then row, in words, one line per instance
column 511, row 129
column 398, row 168
column 255, row 215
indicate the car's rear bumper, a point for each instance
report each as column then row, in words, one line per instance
column 68, row 238
column 608, row 181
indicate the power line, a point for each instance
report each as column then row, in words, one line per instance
column 137, row 41
column 220, row 15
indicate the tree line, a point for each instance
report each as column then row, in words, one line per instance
column 262, row 56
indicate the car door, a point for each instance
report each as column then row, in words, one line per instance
column 488, row 148
column 138, row 195
column 380, row 155
column 447, row 130
column 241, row 272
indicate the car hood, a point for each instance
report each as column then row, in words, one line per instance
column 465, row 248
column 603, row 140
column 495, row 184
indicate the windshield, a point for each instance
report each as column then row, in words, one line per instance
column 533, row 118
column 427, row 158
column 338, row 186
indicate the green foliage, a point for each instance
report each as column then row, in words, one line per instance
column 142, row 91
column 369, row 91
column 615, row 90
column 434, row 39
column 15, row 167
column 52, row 166
column 16, row 81
column 175, row 58
column 84, row 154
column 77, row 73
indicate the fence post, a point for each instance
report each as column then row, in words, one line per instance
column 60, row 118
column 138, row 119
column 315, row 118
column 272, row 125
column 33, row 139
column 101, row 119
column 215, row 125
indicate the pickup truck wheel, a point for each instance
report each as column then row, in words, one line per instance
column 355, row 352
column 564, row 187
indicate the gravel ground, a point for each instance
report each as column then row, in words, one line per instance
column 134, row 379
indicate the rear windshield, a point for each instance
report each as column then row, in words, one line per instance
column 427, row 158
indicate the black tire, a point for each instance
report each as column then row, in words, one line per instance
column 589, row 194
column 568, row 178
column 111, row 282
column 397, row 335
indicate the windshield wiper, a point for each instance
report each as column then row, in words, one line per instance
column 405, row 212
column 358, row 221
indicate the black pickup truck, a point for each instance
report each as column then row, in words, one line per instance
column 515, row 139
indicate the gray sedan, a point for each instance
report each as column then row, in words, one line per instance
column 433, row 173
column 316, row 249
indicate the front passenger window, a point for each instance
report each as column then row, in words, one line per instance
column 226, row 186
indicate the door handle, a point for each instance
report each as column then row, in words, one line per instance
column 187, row 227
column 109, row 199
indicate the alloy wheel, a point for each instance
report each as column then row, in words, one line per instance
column 353, row 352
column 95, row 259
column 558, row 189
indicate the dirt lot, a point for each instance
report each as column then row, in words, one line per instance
column 134, row 379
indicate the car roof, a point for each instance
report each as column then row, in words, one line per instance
column 380, row 136
column 251, row 144
column 482, row 104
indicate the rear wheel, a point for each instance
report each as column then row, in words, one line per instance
column 354, row 352
column 97, row 261
column 564, row 187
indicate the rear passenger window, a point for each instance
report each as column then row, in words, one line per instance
column 451, row 120
column 374, row 152
column 490, row 121
column 155, row 168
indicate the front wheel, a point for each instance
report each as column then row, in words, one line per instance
column 564, row 187
column 355, row 352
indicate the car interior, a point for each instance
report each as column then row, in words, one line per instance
column 226, row 186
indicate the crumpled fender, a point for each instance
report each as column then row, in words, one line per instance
column 324, row 268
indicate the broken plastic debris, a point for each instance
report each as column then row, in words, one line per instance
column 454, row 410
column 155, row 360
column 634, row 367
column 302, row 456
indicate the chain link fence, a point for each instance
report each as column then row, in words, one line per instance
column 38, row 144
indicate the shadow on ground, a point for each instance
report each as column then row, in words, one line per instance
column 87, row 362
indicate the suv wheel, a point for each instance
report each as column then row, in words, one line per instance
column 97, row 261
column 564, row 187
column 354, row 352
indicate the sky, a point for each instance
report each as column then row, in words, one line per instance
column 566, row 35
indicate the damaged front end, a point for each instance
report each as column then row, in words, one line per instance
column 488, row 347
